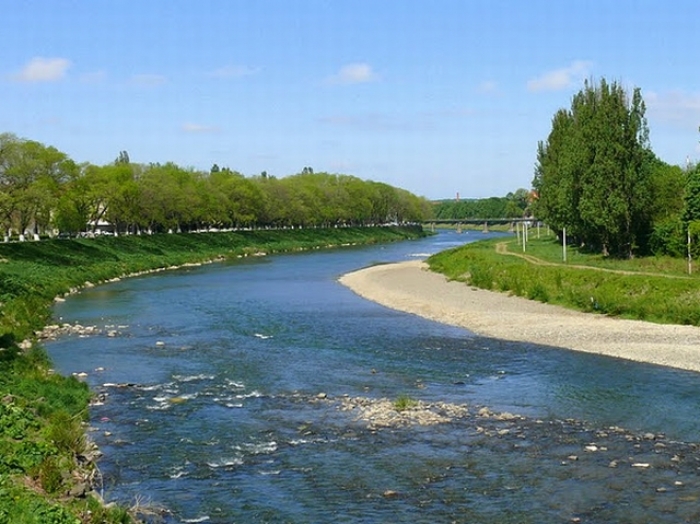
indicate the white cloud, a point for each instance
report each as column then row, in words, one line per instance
column 675, row 107
column 358, row 73
column 40, row 69
column 233, row 71
column 148, row 80
column 561, row 78
column 190, row 127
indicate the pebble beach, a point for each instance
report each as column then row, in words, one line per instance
column 412, row 288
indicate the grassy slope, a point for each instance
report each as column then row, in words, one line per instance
column 41, row 414
column 652, row 289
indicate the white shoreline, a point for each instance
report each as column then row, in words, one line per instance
column 412, row 288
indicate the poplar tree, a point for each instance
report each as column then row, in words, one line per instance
column 592, row 174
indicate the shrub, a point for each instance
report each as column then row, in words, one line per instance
column 481, row 276
column 50, row 474
column 66, row 433
column 404, row 402
column 539, row 292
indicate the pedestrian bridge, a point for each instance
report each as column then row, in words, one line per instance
column 486, row 222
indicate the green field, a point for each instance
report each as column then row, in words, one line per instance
column 656, row 289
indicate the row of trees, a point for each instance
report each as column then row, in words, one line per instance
column 42, row 189
column 597, row 177
column 513, row 205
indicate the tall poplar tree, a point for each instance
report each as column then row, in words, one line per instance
column 592, row 174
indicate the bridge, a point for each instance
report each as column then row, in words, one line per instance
column 478, row 220
column 486, row 222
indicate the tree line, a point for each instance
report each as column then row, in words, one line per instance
column 513, row 205
column 597, row 178
column 42, row 190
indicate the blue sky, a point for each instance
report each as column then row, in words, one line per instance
column 436, row 97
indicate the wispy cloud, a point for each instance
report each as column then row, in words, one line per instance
column 233, row 71
column 40, row 69
column 675, row 107
column 190, row 127
column 358, row 73
column 561, row 78
column 148, row 80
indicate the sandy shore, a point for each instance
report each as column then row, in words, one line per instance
column 411, row 287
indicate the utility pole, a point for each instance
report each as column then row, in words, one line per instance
column 563, row 245
column 690, row 257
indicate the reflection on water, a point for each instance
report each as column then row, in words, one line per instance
column 212, row 406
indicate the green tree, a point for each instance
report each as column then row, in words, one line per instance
column 593, row 175
column 122, row 158
column 30, row 176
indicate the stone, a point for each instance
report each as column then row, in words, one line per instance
column 79, row 490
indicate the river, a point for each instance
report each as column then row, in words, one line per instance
column 219, row 386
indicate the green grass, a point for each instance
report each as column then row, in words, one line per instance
column 549, row 250
column 33, row 273
column 404, row 402
column 653, row 289
column 42, row 414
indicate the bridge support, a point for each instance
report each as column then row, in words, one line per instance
column 486, row 227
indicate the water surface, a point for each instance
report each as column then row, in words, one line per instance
column 211, row 405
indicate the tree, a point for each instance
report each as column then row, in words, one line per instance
column 592, row 175
column 30, row 176
column 123, row 158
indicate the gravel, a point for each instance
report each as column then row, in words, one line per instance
column 411, row 287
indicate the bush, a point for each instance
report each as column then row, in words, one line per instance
column 538, row 292
column 404, row 402
column 66, row 433
column 50, row 474
column 481, row 275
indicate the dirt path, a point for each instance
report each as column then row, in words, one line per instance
column 502, row 249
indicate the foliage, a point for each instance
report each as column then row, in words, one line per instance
column 43, row 190
column 511, row 206
column 593, row 174
column 654, row 289
column 404, row 402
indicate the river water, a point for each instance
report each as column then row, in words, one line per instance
column 220, row 388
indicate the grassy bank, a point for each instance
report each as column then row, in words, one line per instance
column 46, row 464
column 656, row 289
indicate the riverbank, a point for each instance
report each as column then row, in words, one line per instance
column 47, row 464
column 413, row 288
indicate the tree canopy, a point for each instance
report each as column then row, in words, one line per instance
column 43, row 190
column 593, row 174
column 513, row 205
